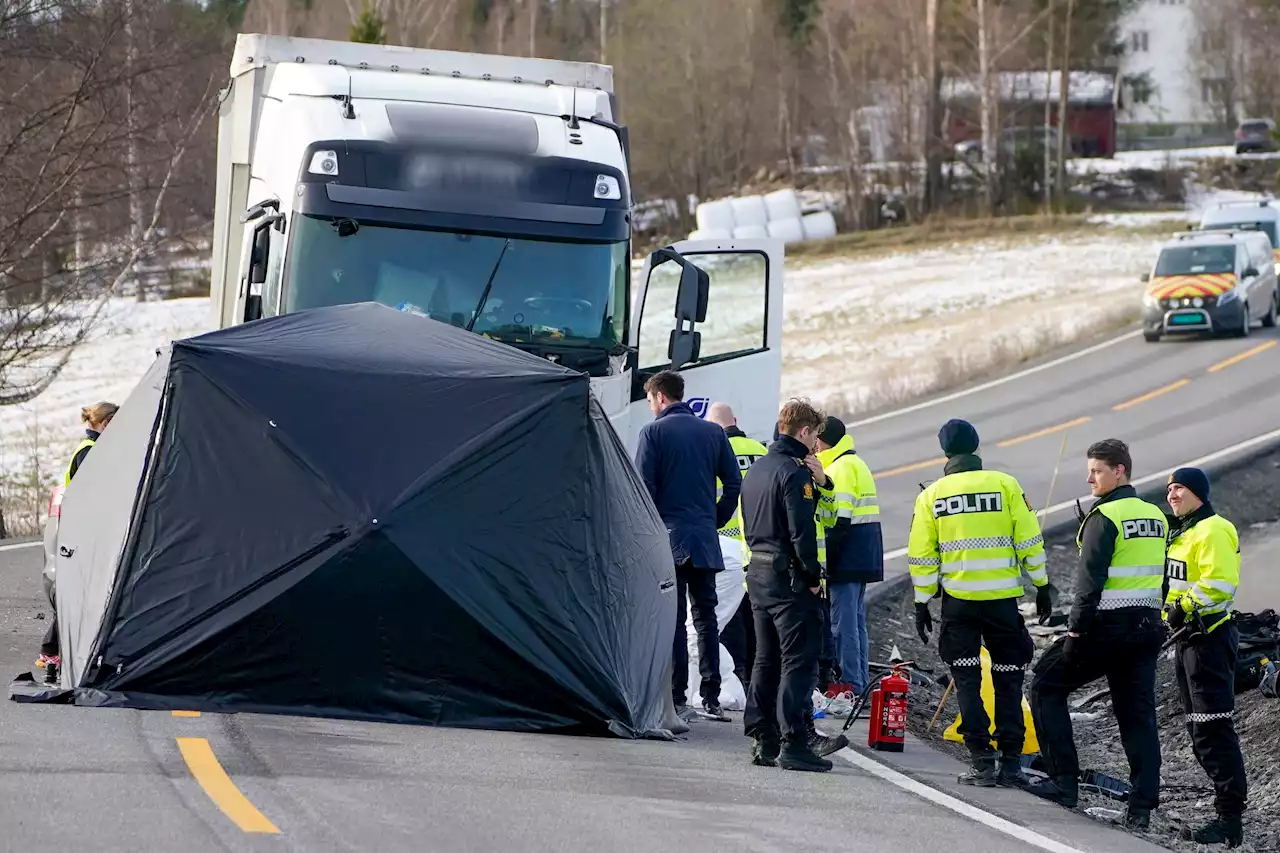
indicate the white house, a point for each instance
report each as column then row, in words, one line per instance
column 1169, row 98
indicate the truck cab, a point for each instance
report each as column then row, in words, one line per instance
column 488, row 192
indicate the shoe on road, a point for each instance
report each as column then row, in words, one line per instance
column 821, row 745
column 764, row 751
column 1063, row 790
column 981, row 772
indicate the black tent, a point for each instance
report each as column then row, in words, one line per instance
column 358, row 512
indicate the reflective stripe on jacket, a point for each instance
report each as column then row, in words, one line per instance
column 1203, row 567
column 1135, row 575
column 973, row 532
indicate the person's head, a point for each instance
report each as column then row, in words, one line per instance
column 832, row 432
column 1110, row 466
column 721, row 415
column 663, row 389
column 1188, row 491
column 800, row 420
column 958, row 438
column 97, row 417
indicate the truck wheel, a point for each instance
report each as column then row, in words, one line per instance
column 1150, row 337
column 1269, row 319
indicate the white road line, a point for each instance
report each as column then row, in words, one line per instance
column 1248, row 443
column 18, row 545
column 994, row 383
column 960, row 807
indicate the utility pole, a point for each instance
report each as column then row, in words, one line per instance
column 932, row 159
column 1064, row 129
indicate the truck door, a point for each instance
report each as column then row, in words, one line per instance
column 738, row 358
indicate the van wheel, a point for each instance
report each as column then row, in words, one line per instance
column 1269, row 319
column 1150, row 337
column 1245, row 324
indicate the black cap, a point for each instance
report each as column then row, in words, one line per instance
column 957, row 438
column 1194, row 479
column 832, row 431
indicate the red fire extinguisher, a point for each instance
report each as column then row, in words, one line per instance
column 888, row 724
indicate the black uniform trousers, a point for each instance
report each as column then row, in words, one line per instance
column 1206, row 671
column 700, row 586
column 967, row 626
column 788, row 628
column 739, row 639
column 1125, row 653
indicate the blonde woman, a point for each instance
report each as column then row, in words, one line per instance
column 95, row 418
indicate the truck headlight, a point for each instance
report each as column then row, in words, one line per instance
column 324, row 163
column 607, row 187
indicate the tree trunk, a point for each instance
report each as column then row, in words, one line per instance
column 990, row 156
column 533, row 26
column 131, row 152
column 932, row 132
column 1064, row 126
column 1047, row 178
column 604, row 30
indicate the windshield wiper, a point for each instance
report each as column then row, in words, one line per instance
column 488, row 285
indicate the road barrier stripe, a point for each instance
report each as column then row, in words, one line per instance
column 204, row 766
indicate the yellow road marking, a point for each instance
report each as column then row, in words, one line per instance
column 1043, row 432
column 1151, row 395
column 929, row 463
column 186, row 713
column 1236, row 359
column 204, row 766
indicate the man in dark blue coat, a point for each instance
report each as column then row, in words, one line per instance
column 680, row 456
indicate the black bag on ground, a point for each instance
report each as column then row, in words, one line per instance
column 1259, row 641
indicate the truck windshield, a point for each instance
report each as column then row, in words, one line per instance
column 511, row 288
column 1194, row 260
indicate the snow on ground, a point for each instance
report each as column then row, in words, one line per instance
column 105, row 368
column 867, row 332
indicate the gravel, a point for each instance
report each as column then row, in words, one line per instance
column 1248, row 493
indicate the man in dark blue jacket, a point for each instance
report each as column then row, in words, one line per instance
column 680, row 456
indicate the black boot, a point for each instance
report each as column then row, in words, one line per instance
column 764, row 751
column 822, row 745
column 1138, row 820
column 981, row 772
column 1011, row 775
column 1063, row 790
column 1223, row 830
column 796, row 755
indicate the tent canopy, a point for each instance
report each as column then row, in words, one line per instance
column 353, row 511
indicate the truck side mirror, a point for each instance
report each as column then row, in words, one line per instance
column 259, row 257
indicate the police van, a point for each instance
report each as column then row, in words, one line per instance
column 1216, row 281
column 1259, row 215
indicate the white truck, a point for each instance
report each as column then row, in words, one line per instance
column 490, row 192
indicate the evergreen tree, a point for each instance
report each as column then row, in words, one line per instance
column 369, row 28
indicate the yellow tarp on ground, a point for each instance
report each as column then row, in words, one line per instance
column 1030, row 745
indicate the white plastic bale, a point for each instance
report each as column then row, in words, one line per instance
column 819, row 226
column 749, row 210
column 729, row 592
column 715, row 216
column 782, row 205
column 750, row 232
column 713, row 234
column 786, row 230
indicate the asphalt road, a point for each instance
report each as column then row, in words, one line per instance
column 112, row 780
column 1172, row 402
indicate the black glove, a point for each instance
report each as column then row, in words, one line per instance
column 1044, row 604
column 924, row 622
column 1177, row 616
column 1069, row 648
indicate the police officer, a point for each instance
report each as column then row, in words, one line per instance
column 972, row 533
column 738, row 636
column 1203, row 570
column 779, row 504
column 1114, row 630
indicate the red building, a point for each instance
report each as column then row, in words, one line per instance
column 1092, row 102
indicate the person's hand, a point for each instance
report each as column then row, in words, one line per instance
column 924, row 621
column 819, row 475
column 1177, row 616
column 815, row 589
column 1044, row 604
column 1069, row 647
